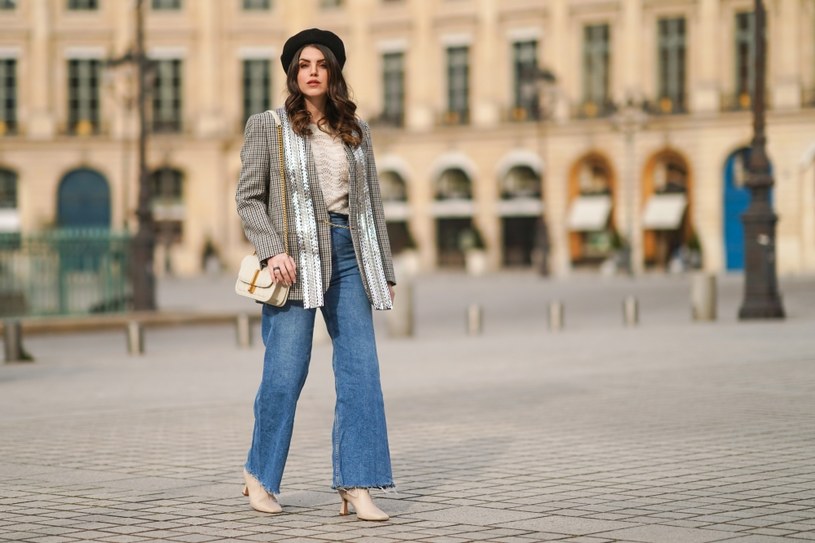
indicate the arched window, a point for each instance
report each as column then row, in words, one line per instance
column 392, row 187
column 8, row 189
column 594, row 178
column 670, row 176
column 166, row 186
column 167, row 189
column 521, row 182
column 9, row 214
column 453, row 184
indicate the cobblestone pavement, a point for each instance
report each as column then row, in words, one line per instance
column 669, row 431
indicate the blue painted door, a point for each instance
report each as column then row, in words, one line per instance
column 736, row 201
column 83, row 200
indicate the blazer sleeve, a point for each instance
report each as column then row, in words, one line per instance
column 376, row 204
column 252, row 195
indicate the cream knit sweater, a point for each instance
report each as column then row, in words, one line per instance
column 332, row 169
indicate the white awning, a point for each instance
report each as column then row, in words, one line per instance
column 589, row 213
column 664, row 212
column 520, row 207
column 396, row 211
column 9, row 220
column 453, row 208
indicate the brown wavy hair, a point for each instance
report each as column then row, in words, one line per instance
column 340, row 110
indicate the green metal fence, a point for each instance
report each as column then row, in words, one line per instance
column 65, row 272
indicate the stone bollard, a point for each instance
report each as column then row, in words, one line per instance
column 631, row 313
column 13, row 341
column 243, row 331
column 703, row 297
column 556, row 316
column 400, row 318
column 475, row 317
column 135, row 338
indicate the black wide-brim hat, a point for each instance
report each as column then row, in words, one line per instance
column 310, row 37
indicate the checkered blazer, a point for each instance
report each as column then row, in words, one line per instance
column 259, row 204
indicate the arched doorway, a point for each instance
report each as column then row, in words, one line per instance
column 736, row 201
column 520, row 209
column 592, row 236
column 453, row 210
column 83, row 209
column 83, row 200
column 394, row 202
column 668, row 235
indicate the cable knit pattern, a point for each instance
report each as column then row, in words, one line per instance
column 331, row 163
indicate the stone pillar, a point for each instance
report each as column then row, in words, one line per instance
column 630, row 59
column 558, row 157
column 209, row 120
column 784, row 52
column 555, row 42
column 362, row 55
column 704, row 85
column 420, row 109
column 120, row 95
column 483, row 61
column 41, row 121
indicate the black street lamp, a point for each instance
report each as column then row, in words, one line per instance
column 629, row 118
column 534, row 82
column 761, row 297
column 143, row 276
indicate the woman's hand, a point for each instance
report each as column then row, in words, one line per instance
column 392, row 292
column 282, row 268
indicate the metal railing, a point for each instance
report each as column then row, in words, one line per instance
column 64, row 272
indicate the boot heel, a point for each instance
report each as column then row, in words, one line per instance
column 360, row 498
column 245, row 491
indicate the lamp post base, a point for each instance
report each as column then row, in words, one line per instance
column 762, row 299
column 762, row 307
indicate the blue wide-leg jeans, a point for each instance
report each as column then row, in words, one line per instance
column 361, row 457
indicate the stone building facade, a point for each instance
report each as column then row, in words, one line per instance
column 551, row 131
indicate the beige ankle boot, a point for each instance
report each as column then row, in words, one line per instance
column 259, row 499
column 360, row 498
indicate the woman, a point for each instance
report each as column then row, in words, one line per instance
column 340, row 261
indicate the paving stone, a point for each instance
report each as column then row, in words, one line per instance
column 672, row 431
column 759, row 539
column 567, row 525
column 665, row 534
column 125, row 538
column 476, row 516
column 196, row 538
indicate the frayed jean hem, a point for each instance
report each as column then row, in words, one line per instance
column 387, row 489
column 276, row 494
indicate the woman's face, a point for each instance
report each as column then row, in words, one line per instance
column 312, row 76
